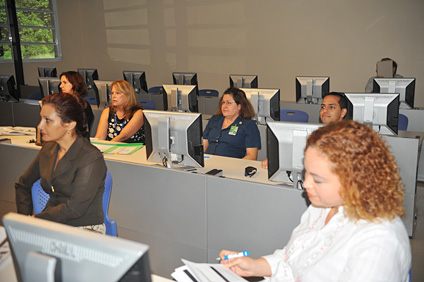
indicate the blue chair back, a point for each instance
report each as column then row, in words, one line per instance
column 91, row 100
column 293, row 115
column 208, row 92
column 40, row 198
column 147, row 104
column 403, row 122
column 155, row 89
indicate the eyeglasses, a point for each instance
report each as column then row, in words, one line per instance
column 226, row 103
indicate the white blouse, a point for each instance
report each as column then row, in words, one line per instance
column 342, row 250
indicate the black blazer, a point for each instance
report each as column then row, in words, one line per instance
column 75, row 187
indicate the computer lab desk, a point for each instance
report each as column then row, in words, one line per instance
column 182, row 214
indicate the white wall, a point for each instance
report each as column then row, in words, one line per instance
column 275, row 39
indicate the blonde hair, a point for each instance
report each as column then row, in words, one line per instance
column 131, row 104
column 371, row 186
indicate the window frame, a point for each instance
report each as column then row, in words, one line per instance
column 55, row 28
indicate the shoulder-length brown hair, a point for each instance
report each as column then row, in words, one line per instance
column 77, row 81
column 246, row 111
column 131, row 106
column 371, row 186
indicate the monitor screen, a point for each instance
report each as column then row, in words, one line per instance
column 266, row 103
column 47, row 72
column 43, row 250
column 138, row 80
column 7, row 88
column 311, row 89
column 104, row 90
column 379, row 110
column 49, row 85
column 286, row 142
column 404, row 86
column 89, row 76
column 174, row 138
column 180, row 98
column 243, row 81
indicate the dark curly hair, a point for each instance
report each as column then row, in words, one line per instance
column 371, row 186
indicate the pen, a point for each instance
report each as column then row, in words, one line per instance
column 238, row 255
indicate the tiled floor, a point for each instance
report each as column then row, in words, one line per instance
column 417, row 243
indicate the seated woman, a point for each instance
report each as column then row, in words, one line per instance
column 72, row 171
column 73, row 83
column 231, row 132
column 352, row 230
column 123, row 119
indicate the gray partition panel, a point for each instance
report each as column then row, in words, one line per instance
column 6, row 114
column 208, row 105
column 415, row 119
column 311, row 109
column 250, row 216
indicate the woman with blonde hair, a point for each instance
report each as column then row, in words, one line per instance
column 123, row 119
column 352, row 231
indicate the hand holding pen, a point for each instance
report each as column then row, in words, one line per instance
column 244, row 265
column 235, row 255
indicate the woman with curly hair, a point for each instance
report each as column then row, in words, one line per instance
column 123, row 119
column 352, row 230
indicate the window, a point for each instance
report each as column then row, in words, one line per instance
column 38, row 31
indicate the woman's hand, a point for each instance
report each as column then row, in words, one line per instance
column 246, row 266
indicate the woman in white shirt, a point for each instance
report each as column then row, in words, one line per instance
column 352, row 230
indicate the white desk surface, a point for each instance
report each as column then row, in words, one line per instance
column 232, row 168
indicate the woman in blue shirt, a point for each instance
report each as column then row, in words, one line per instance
column 231, row 132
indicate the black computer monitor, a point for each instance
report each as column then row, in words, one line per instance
column 7, row 88
column 47, row 72
column 379, row 110
column 105, row 92
column 265, row 102
column 311, row 89
column 404, row 86
column 180, row 98
column 49, row 85
column 89, row 76
column 174, row 138
column 43, row 250
column 184, row 78
column 286, row 142
column 243, row 81
column 138, row 80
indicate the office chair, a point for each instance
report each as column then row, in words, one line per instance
column 147, row 104
column 156, row 90
column 91, row 100
column 293, row 115
column 208, row 92
column 40, row 198
column 403, row 122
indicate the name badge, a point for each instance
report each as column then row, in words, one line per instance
column 233, row 130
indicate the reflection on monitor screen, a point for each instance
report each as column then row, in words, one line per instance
column 243, row 81
column 48, row 251
column 404, row 86
column 311, row 89
column 7, row 88
column 180, row 98
column 174, row 138
column 184, row 78
column 379, row 110
column 47, row 72
column 286, row 142
column 103, row 88
column 265, row 102
column 49, row 85
column 138, row 80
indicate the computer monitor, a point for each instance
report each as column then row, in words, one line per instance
column 286, row 142
column 49, row 85
column 43, row 250
column 404, row 86
column 379, row 110
column 266, row 103
column 138, row 80
column 47, row 72
column 311, row 89
column 7, row 88
column 180, row 98
column 89, row 76
column 174, row 138
column 243, row 81
column 104, row 90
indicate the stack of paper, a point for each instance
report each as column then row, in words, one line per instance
column 204, row 272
